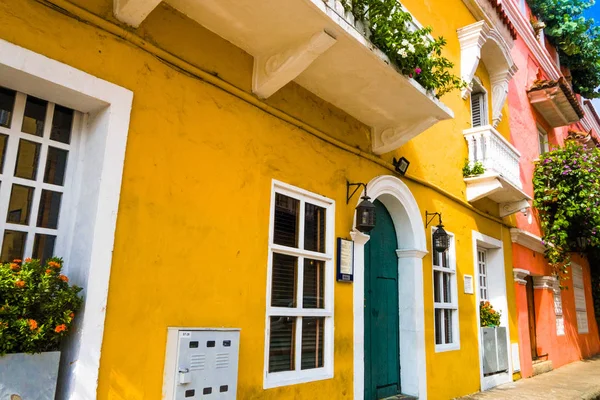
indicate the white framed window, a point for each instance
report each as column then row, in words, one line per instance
column 543, row 143
column 445, row 299
column 483, row 275
column 37, row 145
column 299, row 323
column 479, row 106
column 558, row 310
column 579, row 292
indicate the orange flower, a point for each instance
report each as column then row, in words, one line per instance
column 28, row 259
column 64, row 278
column 72, row 315
column 54, row 264
column 32, row 324
column 48, row 271
column 60, row 328
column 19, row 283
column 14, row 267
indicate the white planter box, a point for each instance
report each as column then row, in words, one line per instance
column 31, row 376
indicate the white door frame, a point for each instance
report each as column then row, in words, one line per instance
column 497, row 296
column 408, row 222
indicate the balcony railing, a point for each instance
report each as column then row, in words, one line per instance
column 497, row 155
column 501, row 180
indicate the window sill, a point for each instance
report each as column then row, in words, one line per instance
column 440, row 348
column 287, row 378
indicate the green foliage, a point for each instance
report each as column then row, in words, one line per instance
column 488, row 317
column 37, row 306
column 472, row 169
column 566, row 194
column 413, row 52
column 577, row 39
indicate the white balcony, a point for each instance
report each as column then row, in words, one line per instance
column 319, row 46
column 501, row 180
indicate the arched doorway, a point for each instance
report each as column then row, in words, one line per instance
column 382, row 325
column 407, row 224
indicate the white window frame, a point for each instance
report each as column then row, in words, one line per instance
column 277, row 379
column 89, row 245
column 8, row 178
column 479, row 90
column 543, row 144
column 455, row 345
column 482, row 266
column 558, row 309
column 579, row 288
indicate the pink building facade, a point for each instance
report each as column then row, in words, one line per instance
column 556, row 326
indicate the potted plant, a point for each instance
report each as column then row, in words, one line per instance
column 495, row 350
column 37, row 308
column 488, row 317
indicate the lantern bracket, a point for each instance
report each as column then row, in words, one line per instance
column 432, row 215
column 356, row 186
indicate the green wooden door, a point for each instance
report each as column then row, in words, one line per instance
column 382, row 347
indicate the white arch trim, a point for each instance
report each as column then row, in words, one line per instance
column 412, row 247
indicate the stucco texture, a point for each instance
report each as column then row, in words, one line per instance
column 192, row 227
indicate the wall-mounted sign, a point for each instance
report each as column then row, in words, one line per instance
column 468, row 281
column 345, row 260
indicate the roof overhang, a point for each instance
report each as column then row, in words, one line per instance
column 556, row 102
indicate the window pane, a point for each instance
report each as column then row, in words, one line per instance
column 43, row 247
column 447, row 292
column 314, row 284
column 56, row 163
column 314, row 228
column 35, row 114
column 312, row 342
column 27, row 159
column 445, row 259
column 19, row 206
column 49, row 209
column 437, row 280
column 438, row 326
column 448, row 326
column 13, row 246
column 286, row 220
column 62, row 121
column 283, row 288
column 3, row 142
column 436, row 258
column 7, row 103
column 281, row 344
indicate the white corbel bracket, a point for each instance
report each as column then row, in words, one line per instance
column 133, row 12
column 471, row 38
column 273, row 71
column 389, row 139
column 499, row 82
column 507, row 209
column 520, row 275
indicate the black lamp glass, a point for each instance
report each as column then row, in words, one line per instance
column 441, row 240
column 365, row 215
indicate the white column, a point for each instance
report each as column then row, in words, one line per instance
column 413, row 373
column 360, row 239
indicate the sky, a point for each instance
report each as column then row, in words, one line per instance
column 594, row 12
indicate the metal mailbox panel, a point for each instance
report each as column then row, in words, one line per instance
column 207, row 364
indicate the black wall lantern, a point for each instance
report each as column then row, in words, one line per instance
column 401, row 165
column 441, row 240
column 365, row 212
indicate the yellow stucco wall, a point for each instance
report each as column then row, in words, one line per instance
column 191, row 239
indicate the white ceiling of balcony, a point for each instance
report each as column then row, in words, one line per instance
column 347, row 72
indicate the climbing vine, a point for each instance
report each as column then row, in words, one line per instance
column 567, row 194
column 414, row 52
column 576, row 38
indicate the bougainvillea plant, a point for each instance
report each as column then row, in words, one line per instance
column 37, row 306
column 566, row 195
column 488, row 317
column 415, row 53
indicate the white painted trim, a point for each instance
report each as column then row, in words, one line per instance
column 284, row 378
column 528, row 240
column 410, row 231
column 520, row 275
column 544, row 282
column 100, row 158
column 133, row 12
column 498, row 298
column 455, row 345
